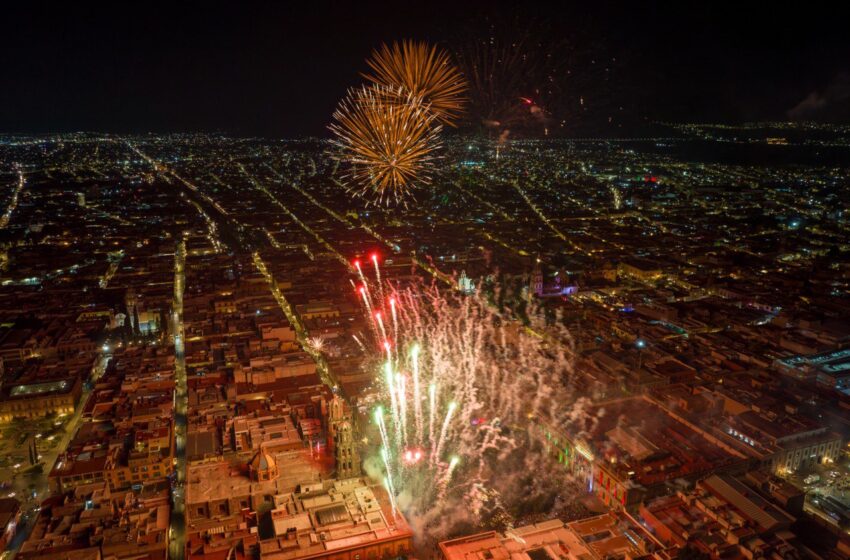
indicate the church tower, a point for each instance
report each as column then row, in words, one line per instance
column 342, row 435
column 537, row 279
column 132, row 312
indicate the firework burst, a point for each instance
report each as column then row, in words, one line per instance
column 388, row 138
column 464, row 395
column 426, row 72
column 316, row 343
column 529, row 78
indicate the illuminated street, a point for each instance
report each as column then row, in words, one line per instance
column 176, row 534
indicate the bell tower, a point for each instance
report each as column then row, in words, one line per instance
column 342, row 434
column 537, row 279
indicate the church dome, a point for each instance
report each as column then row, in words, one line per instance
column 263, row 465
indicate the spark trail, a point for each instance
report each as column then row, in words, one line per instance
column 474, row 442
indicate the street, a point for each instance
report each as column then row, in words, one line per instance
column 177, row 534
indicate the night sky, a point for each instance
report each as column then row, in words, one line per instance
column 278, row 70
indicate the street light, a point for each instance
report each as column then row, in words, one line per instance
column 640, row 344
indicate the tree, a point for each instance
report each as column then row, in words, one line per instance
column 136, row 328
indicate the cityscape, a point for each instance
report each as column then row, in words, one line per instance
column 182, row 374
column 447, row 325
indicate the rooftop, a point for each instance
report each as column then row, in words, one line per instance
column 222, row 480
column 330, row 516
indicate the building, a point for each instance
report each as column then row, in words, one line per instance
column 783, row 443
column 40, row 398
column 611, row 535
column 85, row 468
column 615, row 535
column 270, row 430
column 149, row 458
column 639, row 269
column 224, row 498
column 635, row 448
column 831, row 369
column 724, row 518
column 342, row 519
column 342, row 438
column 93, row 524
column 317, row 310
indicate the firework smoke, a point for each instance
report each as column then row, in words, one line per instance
column 467, row 395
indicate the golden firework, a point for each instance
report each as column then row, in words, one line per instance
column 426, row 72
column 389, row 138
